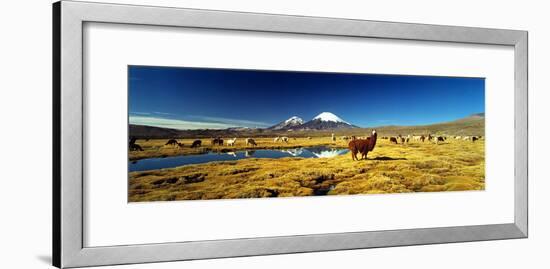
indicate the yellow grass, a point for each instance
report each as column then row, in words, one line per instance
column 416, row 167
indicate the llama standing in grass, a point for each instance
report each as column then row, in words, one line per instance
column 196, row 144
column 362, row 146
column 135, row 147
column 231, row 142
column 172, row 142
column 401, row 139
column 333, row 138
column 217, row 141
column 276, row 139
column 250, row 141
column 284, row 139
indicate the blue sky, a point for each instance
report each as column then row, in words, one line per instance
column 204, row 98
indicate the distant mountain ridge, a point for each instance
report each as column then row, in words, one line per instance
column 323, row 124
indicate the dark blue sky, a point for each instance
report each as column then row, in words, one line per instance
column 218, row 98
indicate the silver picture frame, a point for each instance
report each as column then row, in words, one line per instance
column 68, row 229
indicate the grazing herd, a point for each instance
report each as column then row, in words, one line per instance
column 399, row 139
column 356, row 145
column 198, row 143
column 220, row 142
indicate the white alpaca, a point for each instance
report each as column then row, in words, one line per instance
column 276, row 139
column 231, row 142
column 284, row 139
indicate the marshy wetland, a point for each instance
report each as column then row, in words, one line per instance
column 452, row 165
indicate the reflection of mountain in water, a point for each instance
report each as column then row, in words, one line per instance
column 175, row 161
column 315, row 152
column 325, row 152
column 294, row 152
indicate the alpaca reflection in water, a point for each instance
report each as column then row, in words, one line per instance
column 249, row 153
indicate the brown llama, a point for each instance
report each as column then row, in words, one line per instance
column 135, row 147
column 217, row 141
column 363, row 146
column 196, row 143
column 172, row 142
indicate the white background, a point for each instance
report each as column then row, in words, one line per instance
column 110, row 220
column 25, row 112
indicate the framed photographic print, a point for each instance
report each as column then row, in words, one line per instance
column 185, row 134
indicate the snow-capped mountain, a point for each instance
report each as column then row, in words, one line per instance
column 327, row 116
column 288, row 124
column 326, row 120
column 323, row 121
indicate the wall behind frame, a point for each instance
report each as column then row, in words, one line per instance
column 26, row 107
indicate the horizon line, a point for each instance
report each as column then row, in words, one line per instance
column 246, row 127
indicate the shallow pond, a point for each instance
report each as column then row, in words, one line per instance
column 169, row 162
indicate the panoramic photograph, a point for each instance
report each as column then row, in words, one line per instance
column 212, row 133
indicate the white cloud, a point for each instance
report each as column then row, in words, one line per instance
column 177, row 124
column 233, row 122
column 140, row 113
column 162, row 113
